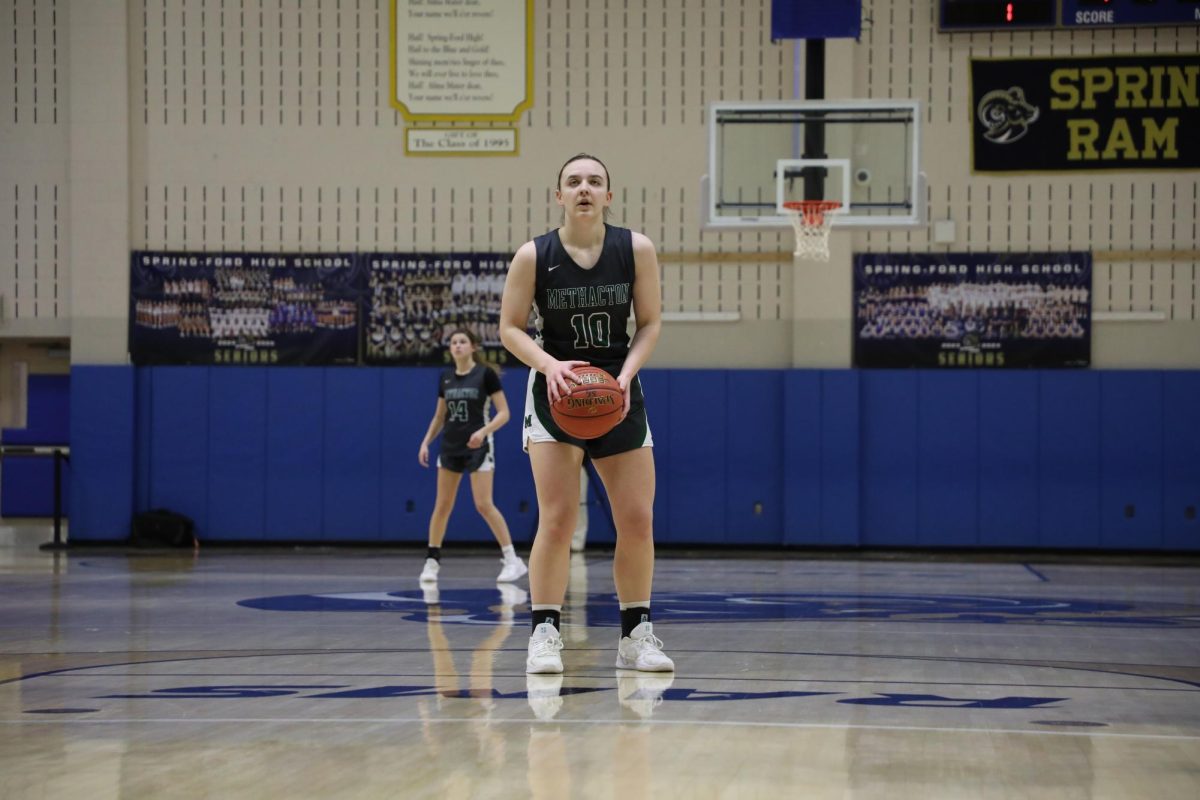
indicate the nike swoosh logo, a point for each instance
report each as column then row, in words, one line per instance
column 556, row 266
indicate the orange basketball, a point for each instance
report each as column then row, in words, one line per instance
column 593, row 406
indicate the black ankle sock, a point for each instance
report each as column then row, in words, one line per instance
column 547, row 615
column 632, row 617
column 435, row 553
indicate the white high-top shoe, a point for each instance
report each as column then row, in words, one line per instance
column 642, row 650
column 544, row 647
column 430, row 573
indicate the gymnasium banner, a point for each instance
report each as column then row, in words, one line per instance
column 1134, row 112
column 416, row 300
column 244, row 308
column 989, row 310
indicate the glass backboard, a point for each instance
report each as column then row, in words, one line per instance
column 864, row 154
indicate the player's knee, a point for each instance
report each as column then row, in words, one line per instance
column 485, row 507
column 636, row 524
column 557, row 526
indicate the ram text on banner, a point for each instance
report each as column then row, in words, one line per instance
column 1134, row 112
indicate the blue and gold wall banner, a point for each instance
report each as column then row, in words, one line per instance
column 414, row 301
column 988, row 310
column 244, row 308
column 1135, row 112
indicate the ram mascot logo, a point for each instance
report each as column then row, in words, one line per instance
column 1006, row 116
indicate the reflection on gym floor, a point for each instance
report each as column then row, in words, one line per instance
column 333, row 674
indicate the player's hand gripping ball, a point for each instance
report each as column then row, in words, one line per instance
column 592, row 407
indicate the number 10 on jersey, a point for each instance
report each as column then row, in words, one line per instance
column 592, row 330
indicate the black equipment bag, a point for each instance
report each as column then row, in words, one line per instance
column 160, row 527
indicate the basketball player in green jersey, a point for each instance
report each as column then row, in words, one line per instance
column 584, row 279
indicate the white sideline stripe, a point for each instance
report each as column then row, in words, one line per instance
column 703, row 722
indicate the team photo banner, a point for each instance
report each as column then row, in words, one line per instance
column 1134, row 112
column 416, row 300
column 244, row 308
column 990, row 310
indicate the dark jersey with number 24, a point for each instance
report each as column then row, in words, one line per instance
column 585, row 312
column 466, row 398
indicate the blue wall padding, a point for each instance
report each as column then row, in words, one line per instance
column 47, row 412
column 1131, row 460
column 839, row 468
column 179, row 423
column 947, row 437
column 102, row 468
column 237, row 453
column 295, row 447
column 1181, row 460
column 888, row 511
column 27, row 486
column 1051, row 459
column 1069, row 459
column 801, row 449
column 1008, row 459
column 408, row 400
column 695, row 470
column 753, row 472
column 27, row 483
column 351, row 462
column 656, row 386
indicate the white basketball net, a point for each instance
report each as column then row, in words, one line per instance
column 811, row 221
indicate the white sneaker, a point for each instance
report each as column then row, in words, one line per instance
column 511, row 570
column 641, row 692
column 430, row 594
column 430, row 573
column 543, row 694
column 642, row 650
column 544, row 647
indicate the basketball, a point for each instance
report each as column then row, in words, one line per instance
column 593, row 406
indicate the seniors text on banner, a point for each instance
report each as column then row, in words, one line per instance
column 1133, row 112
column 972, row 309
column 415, row 301
column 244, row 308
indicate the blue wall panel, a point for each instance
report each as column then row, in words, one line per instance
column 802, row 457
column 1131, row 460
column 1013, row 459
column 295, row 447
column 143, row 383
column 697, row 445
column 27, row 486
column 1181, row 460
column 1069, row 459
column 179, row 424
column 352, row 456
column 237, row 453
column 407, row 489
column 514, row 492
column 656, row 386
column 753, row 460
column 889, row 458
column 102, row 454
column 948, row 459
column 1008, row 459
column 840, row 447
column 47, row 416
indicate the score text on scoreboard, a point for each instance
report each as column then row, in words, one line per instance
column 991, row 15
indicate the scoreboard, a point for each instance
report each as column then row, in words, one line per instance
column 991, row 15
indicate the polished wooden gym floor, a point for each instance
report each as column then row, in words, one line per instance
column 330, row 674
